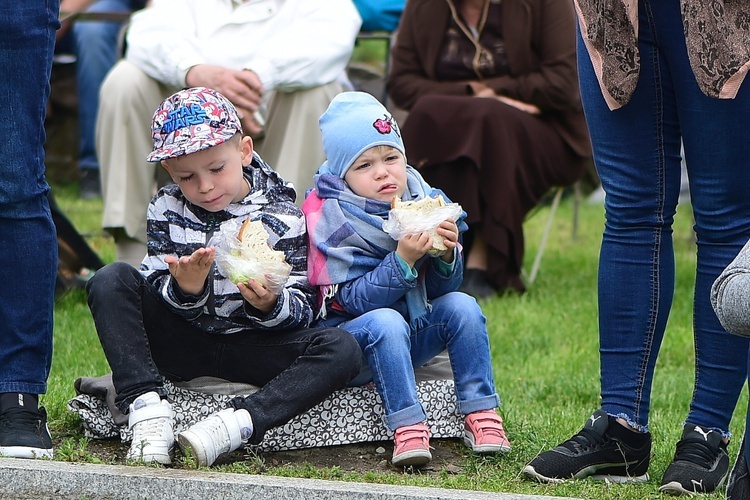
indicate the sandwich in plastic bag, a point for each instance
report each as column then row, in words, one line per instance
column 243, row 253
column 413, row 217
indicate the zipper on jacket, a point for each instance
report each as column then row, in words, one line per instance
column 210, row 304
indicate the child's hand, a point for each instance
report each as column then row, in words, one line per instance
column 258, row 296
column 412, row 247
column 190, row 272
column 448, row 230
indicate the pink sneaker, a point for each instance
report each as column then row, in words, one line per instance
column 411, row 445
column 484, row 433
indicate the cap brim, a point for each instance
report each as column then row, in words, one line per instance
column 175, row 151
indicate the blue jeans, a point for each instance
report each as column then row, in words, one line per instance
column 95, row 46
column 28, row 243
column 392, row 351
column 143, row 339
column 637, row 154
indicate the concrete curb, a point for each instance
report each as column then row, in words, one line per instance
column 40, row 479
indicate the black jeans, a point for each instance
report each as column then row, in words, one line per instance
column 143, row 339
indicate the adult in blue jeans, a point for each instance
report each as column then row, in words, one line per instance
column 28, row 255
column 644, row 89
column 95, row 45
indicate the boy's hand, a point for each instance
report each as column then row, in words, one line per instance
column 448, row 230
column 412, row 247
column 190, row 272
column 258, row 296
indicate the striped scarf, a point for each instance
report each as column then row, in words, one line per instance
column 347, row 238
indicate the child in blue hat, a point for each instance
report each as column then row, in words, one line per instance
column 398, row 301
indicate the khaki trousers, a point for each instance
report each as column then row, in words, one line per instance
column 128, row 98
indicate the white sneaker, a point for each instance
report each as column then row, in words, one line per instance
column 222, row 432
column 151, row 419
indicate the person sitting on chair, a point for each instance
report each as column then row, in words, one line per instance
column 495, row 117
column 279, row 62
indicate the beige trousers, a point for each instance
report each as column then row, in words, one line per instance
column 128, row 98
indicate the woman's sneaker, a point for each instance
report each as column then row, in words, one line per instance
column 484, row 433
column 700, row 463
column 411, row 446
column 24, row 434
column 603, row 450
column 222, row 432
column 151, row 419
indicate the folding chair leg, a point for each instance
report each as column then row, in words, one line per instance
column 540, row 251
column 576, row 205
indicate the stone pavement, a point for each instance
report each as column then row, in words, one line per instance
column 41, row 479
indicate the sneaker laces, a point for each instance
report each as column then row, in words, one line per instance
column 149, row 427
column 697, row 452
column 585, row 440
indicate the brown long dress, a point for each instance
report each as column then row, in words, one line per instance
column 494, row 159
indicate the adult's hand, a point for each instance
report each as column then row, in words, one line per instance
column 242, row 87
column 523, row 106
column 479, row 89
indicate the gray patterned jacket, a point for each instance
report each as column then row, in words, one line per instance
column 716, row 33
column 177, row 227
column 730, row 294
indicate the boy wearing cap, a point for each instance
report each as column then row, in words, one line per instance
column 180, row 318
column 400, row 303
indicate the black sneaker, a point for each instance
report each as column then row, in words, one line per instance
column 700, row 463
column 603, row 450
column 24, row 434
column 738, row 484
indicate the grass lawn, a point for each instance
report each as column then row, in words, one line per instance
column 544, row 350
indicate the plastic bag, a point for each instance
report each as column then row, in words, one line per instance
column 403, row 221
column 240, row 267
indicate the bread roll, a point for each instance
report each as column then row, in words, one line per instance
column 254, row 243
column 425, row 205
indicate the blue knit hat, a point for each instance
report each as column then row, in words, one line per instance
column 353, row 123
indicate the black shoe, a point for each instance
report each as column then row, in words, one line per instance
column 603, row 450
column 700, row 463
column 24, row 434
column 477, row 285
column 89, row 184
column 738, row 484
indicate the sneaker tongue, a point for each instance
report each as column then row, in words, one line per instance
column 697, row 433
column 592, row 433
column 598, row 422
column 699, row 446
column 148, row 399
